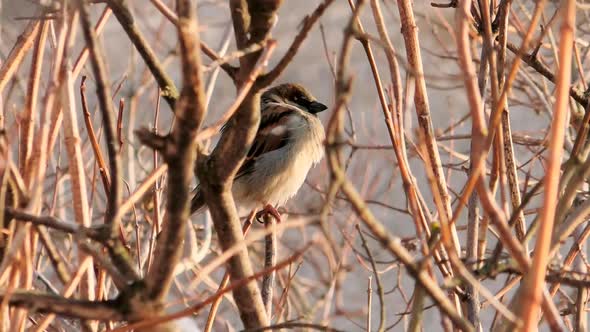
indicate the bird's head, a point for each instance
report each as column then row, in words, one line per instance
column 295, row 95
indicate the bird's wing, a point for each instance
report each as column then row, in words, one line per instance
column 272, row 135
column 198, row 201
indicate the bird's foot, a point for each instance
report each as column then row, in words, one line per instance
column 268, row 209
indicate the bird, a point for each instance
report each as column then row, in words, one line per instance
column 288, row 143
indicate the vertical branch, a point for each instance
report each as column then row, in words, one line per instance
column 534, row 282
column 478, row 129
column 369, row 302
column 472, row 256
column 76, row 167
column 410, row 34
column 382, row 316
column 417, row 312
column 392, row 115
column 225, row 281
column 28, row 121
column 252, row 20
column 270, row 260
column 263, row 16
column 241, row 22
column 515, row 197
column 495, row 116
column 180, row 155
column 390, row 53
column 104, row 175
column 38, row 165
column 581, row 316
column 386, row 109
column 112, row 218
column 479, row 142
column 29, row 116
column 98, row 28
column 473, row 213
column 106, row 107
column 157, row 196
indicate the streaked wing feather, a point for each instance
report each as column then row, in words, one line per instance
column 272, row 135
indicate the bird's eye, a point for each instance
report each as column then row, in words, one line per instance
column 299, row 99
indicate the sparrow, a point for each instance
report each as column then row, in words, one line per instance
column 288, row 143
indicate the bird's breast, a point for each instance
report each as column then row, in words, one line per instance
column 308, row 139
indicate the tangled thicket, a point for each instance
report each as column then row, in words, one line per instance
column 461, row 210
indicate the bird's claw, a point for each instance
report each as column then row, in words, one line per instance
column 268, row 209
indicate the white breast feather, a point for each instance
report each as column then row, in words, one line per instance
column 279, row 174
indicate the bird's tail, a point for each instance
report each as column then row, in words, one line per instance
column 198, row 201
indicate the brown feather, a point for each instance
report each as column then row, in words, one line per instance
column 267, row 138
column 277, row 106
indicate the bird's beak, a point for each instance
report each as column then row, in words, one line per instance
column 315, row 107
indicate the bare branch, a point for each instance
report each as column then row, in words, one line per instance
column 539, row 67
column 180, row 155
column 95, row 310
column 255, row 17
column 199, row 306
column 55, row 223
column 18, row 52
column 118, row 254
column 532, row 287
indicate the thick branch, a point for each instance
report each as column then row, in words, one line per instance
column 180, row 155
column 241, row 22
column 195, row 309
column 217, row 173
column 151, row 139
column 262, row 14
column 216, row 176
column 94, row 310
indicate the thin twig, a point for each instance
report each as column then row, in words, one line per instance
column 270, row 259
column 123, row 14
column 380, row 293
column 102, row 167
